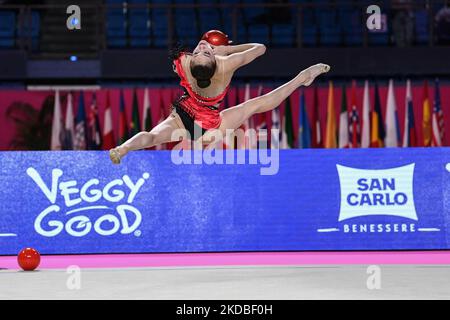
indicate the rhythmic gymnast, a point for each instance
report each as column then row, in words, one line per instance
column 205, row 75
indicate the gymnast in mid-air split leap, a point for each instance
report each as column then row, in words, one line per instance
column 205, row 75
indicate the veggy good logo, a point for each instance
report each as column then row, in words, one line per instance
column 80, row 204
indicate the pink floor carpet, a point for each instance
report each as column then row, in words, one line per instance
column 234, row 259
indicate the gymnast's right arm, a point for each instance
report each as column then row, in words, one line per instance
column 242, row 54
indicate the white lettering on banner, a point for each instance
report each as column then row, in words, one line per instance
column 368, row 193
column 126, row 218
column 383, row 192
column 377, row 192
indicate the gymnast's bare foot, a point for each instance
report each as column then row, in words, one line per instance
column 117, row 154
column 308, row 75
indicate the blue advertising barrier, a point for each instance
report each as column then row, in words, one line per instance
column 72, row 202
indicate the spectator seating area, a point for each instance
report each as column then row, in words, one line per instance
column 11, row 31
column 322, row 22
column 131, row 23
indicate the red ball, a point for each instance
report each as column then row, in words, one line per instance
column 29, row 259
column 216, row 38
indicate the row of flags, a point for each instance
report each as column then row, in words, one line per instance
column 371, row 130
column 82, row 131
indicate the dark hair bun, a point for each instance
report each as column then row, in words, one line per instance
column 203, row 74
column 203, row 83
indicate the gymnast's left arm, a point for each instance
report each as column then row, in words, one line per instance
column 227, row 50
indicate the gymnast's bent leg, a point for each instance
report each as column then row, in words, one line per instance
column 162, row 133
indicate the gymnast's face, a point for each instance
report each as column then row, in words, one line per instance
column 203, row 54
column 203, row 64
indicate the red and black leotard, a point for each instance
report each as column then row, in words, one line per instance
column 194, row 109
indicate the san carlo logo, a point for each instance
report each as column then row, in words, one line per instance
column 369, row 193
column 81, row 207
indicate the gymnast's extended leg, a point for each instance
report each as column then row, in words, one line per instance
column 162, row 133
column 233, row 117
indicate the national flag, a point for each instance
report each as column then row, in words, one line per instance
column 250, row 123
column 245, row 143
column 135, row 124
column 162, row 117
column 316, row 131
column 123, row 123
column 354, row 125
column 228, row 144
column 354, row 128
column 409, row 132
column 246, row 98
column 261, row 127
column 438, row 118
column 426, row 121
column 343, row 121
column 108, row 132
column 231, row 144
column 57, row 125
column 392, row 138
column 287, row 133
column 330, row 138
column 275, row 141
column 94, row 131
column 377, row 127
column 147, row 123
column 304, row 134
column 365, row 136
column 80, row 141
column 69, row 130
